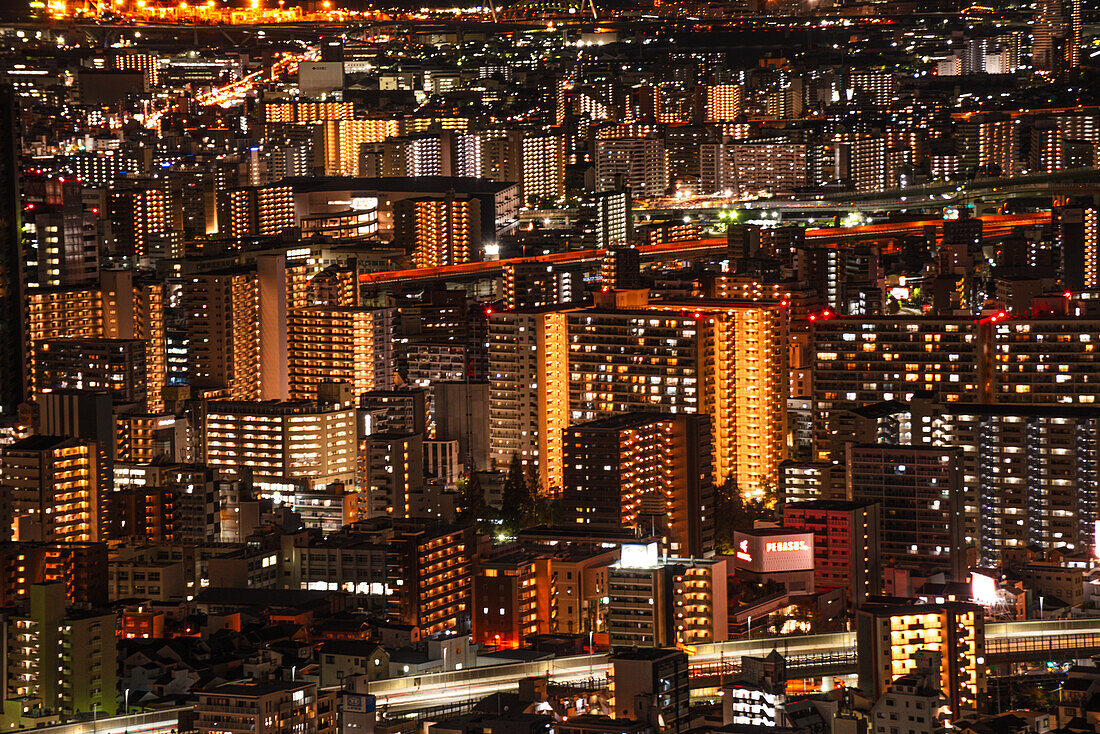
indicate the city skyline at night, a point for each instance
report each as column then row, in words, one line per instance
column 550, row 367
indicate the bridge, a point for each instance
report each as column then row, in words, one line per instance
column 809, row 656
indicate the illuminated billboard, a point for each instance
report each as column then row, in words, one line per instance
column 774, row 550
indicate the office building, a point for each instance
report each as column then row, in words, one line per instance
column 773, row 554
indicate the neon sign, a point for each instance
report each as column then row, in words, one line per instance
column 743, row 551
column 786, row 545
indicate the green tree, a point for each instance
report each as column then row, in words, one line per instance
column 733, row 512
column 475, row 510
column 519, row 499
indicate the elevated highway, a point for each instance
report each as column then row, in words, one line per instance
column 995, row 226
column 809, row 656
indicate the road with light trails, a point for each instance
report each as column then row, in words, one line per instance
column 236, row 91
column 409, row 693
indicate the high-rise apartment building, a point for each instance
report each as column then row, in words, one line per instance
column 280, row 439
column 343, row 138
column 639, row 163
column 846, row 544
column 114, row 365
column 920, row 496
column 724, row 102
column 1027, row 472
column 1056, row 36
column 51, row 486
column 723, row 359
column 339, row 344
column 135, row 310
column 863, row 360
column 118, row 308
column 440, row 231
column 237, row 330
column 892, row 641
column 543, row 167
column 141, row 211
column 391, row 474
column 430, row 574
column 528, row 390
column 659, row 601
column 513, row 599
column 60, row 239
column 648, row 471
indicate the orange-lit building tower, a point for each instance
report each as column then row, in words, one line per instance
column 332, row 344
column 440, row 231
column 141, row 211
column 274, row 209
column 237, row 327
column 342, row 138
column 52, row 485
column 136, row 311
column 528, row 390
column 279, row 439
column 724, row 359
column 892, row 638
column 643, row 470
column 117, row 309
column 723, row 102
column 513, row 599
column 58, row 313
